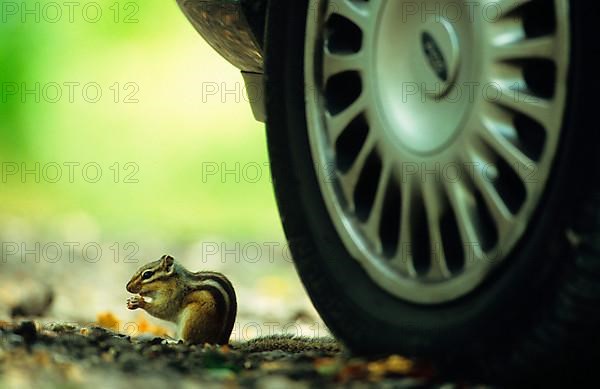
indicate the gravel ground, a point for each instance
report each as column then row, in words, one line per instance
column 84, row 337
column 33, row 355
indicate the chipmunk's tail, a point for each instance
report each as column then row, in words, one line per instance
column 289, row 343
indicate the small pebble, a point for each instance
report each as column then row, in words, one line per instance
column 28, row 331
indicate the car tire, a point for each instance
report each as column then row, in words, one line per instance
column 534, row 319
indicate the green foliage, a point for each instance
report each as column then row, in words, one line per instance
column 152, row 116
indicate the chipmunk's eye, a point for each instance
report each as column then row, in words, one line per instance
column 147, row 274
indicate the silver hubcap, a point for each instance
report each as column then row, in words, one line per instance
column 437, row 124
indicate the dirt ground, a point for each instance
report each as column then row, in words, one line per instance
column 54, row 355
column 65, row 325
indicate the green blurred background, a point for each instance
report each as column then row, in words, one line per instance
column 170, row 134
column 167, row 137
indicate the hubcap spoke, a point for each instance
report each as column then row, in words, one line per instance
column 543, row 47
column 507, row 6
column 521, row 164
column 334, row 63
column 495, row 204
column 438, row 268
column 336, row 124
column 463, row 205
column 515, row 97
column 374, row 222
column 404, row 260
column 349, row 180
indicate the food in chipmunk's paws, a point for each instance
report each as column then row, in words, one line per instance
column 135, row 302
column 202, row 304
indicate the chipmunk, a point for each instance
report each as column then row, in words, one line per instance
column 202, row 304
column 204, row 307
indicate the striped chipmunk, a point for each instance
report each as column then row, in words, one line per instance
column 204, row 307
column 202, row 304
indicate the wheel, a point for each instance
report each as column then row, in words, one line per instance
column 436, row 172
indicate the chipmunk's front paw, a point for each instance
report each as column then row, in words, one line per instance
column 135, row 302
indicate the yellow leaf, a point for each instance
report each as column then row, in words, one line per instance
column 108, row 320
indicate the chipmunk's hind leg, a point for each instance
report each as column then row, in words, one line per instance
column 200, row 323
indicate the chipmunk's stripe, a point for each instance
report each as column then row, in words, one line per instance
column 221, row 301
column 224, row 294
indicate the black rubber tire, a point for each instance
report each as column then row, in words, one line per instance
column 536, row 320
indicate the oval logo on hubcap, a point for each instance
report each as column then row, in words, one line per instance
column 434, row 56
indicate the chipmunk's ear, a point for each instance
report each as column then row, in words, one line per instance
column 167, row 263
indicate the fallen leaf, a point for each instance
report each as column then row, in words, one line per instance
column 393, row 365
column 273, row 366
column 353, row 371
column 225, row 349
column 327, row 366
column 399, row 365
column 146, row 327
column 109, row 321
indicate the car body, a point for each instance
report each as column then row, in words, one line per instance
column 235, row 29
